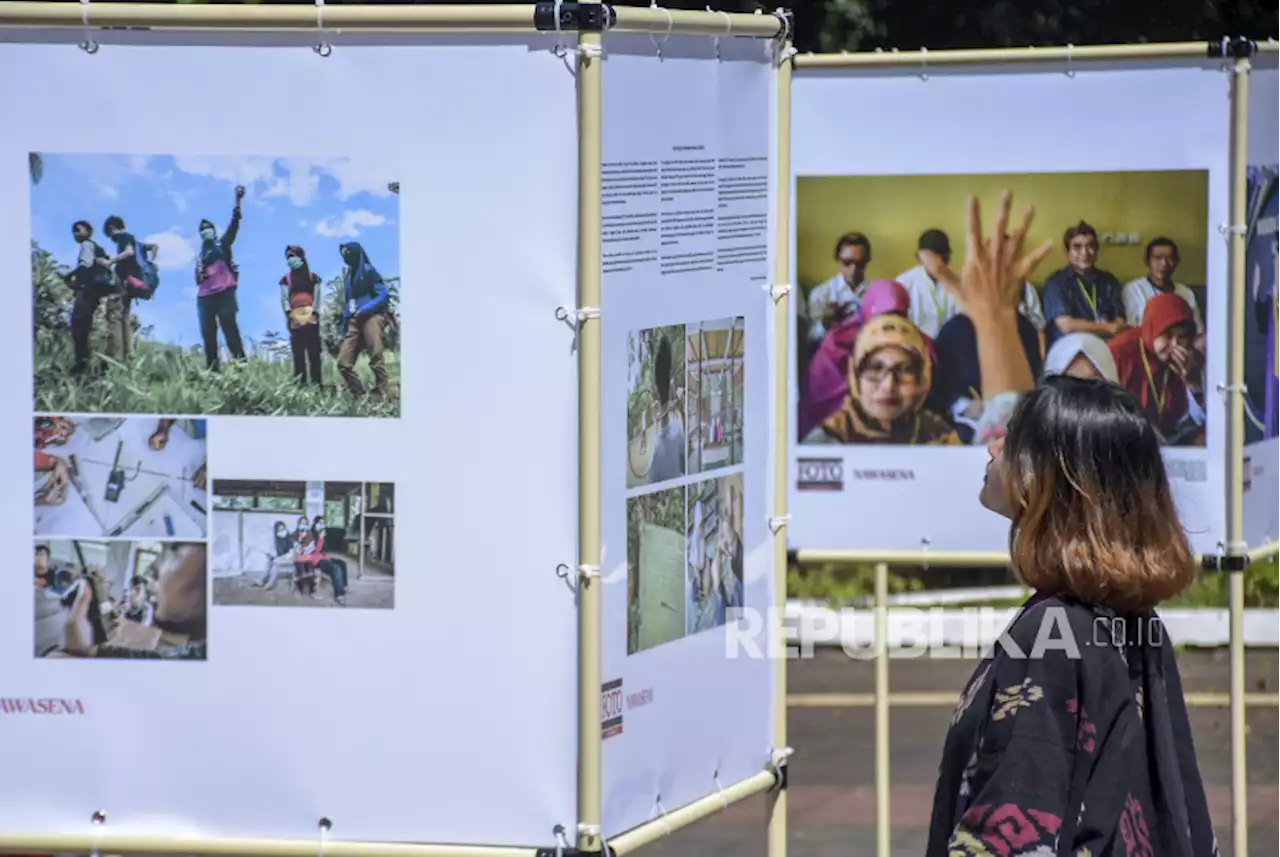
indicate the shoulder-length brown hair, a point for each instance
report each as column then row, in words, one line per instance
column 1093, row 515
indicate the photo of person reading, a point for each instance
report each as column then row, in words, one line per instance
column 188, row 311
column 989, row 340
column 1156, row 362
column 655, row 405
column 122, row 599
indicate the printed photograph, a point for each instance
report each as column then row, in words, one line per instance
column 1262, row 248
column 304, row 544
column 887, row 351
column 714, row 380
column 120, row 477
column 656, row 599
column 655, row 405
column 714, row 540
column 121, row 599
column 187, row 285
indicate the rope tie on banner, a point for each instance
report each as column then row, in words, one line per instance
column 575, row 316
column 1071, row 70
column 924, row 63
column 98, row 818
column 924, row 552
column 777, row 290
column 593, row 831
column 715, row 778
column 777, row 761
column 1224, row 389
column 777, row 522
column 89, row 46
column 781, row 54
column 323, row 48
column 325, row 826
column 1226, row 230
column 728, row 30
column 670, row 24
column 661, row 812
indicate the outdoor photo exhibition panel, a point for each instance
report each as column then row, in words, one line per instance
column 890, row 422
column 1261, row 459
column 284, row 300
column 686, row 687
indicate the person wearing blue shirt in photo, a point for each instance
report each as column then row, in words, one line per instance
column 366, row 301
column 1081, row 298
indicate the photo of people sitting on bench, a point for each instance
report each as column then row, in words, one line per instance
column 304, row 544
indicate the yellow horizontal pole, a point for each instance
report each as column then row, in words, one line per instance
column 1080, row 53
column 907, row 557
column 108, row 843
column 942, row 699
column 645, row 19
column 435, row 17
column 1262, row 552
column 652, row 831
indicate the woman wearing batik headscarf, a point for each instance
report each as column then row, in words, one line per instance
column 890, row 373
column 216, row 281
column 366, row 301
column 827, row 375
column 1155, row 361
column 300, row 293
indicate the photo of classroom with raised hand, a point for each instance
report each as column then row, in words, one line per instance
column 887, row 345
column 215, row 285
column 304, row 544
column 121, row 599
column 120, row 477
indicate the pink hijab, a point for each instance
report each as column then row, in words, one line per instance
column 827, row 380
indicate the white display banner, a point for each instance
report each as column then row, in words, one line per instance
column 1261, row 458
column 287, row 462
column 1132, row 213
column 686, row 701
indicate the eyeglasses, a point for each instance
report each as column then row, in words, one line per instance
column 902, row 373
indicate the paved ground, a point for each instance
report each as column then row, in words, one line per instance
column 832, row 776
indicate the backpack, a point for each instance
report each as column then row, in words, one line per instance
column 143, row 288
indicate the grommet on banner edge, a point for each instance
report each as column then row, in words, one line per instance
column 324, row 825
column 777, row 522
column 776, row 290
column 89, row 45
column 322, row 48
column 662, row 813
column 715, row 779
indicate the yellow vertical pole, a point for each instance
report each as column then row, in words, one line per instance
column 1234, row 464
column 781, row 360
column 884, row 839
column 589, row 272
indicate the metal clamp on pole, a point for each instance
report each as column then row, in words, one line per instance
column 582, row 17
column 1232, row 557
column 1228, row 47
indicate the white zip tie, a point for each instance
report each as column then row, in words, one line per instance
column 1226, row 230
column 778, row 757
column 323, row 48
column 588, row 571
column 715, row 778
column 777, row 290
column 653, row 4
column 728, row 30
column 776, row 523
column 325, row 826
column 562, row 841
column 98, row 819
column 89, row 46
column 1071, row 70
column 925, row 541
column 662, row 814
column 576, row 315
column 1224, row 389
column 924, row 63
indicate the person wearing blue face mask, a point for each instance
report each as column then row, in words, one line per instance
column 366, row 301
column 216, row 279
column 298, row 291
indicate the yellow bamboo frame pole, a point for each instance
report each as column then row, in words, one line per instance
column 1073, row 53
column 1234, row 459
column 436, row 17
column 947, row 699
column 884, row 832
column 777, row 832
column 109, row 843
column 589, row 77
column 690, row 813
column 956, row 559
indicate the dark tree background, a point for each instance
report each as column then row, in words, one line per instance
column 835, row 25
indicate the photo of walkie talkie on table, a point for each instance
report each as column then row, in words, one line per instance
column 115, row 477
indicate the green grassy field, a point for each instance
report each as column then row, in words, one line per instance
column 168, row 380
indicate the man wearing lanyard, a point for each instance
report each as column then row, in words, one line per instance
column 831, row 302
column 1080, row 298
column 1162, row 261
column 931, row 304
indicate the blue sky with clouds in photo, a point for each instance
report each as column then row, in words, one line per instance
column 317, row 203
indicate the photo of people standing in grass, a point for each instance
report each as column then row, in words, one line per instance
column 215, row 285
